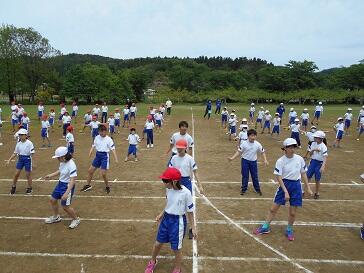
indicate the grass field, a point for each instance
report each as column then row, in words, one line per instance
column 117, row 231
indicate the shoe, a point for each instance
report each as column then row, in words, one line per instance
column 151, row 145
column 74, row 223
column 362, row 233
column 53, row 219
column 151, row 266
column 29, row 191
column 148, row 146
column 136, row 159
column 260, row 230
column 107, row 189
column 86, row 188
column 242, row 192
column 289, row 234
column 190, row 234
column 126, row 159
column 13, row 189
column 260, row 193
column 316, row 196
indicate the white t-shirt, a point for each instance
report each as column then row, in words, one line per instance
column 361, row 121
column 111, row 121
column 14, row 115
column 103, row 144
column 52, row 114
column 177, row 136
column 249, row 150
column 96, row 110
column 126, row 111
column 158, row 116
column 292, row 114
column 276, row 121
column 243, row 135
column 45, row 124
column 252, row 109
column 224, row 113
column 261, row 114
column 24, row 148
column 168, row 104
column 94, row 124
column 133, row 109
column 13, row 108
column 66, row 119
column 40, row 108
column 25, row 120
column 149, row 125
column 295, row 127
column 67, row 170
column 268, row 117
column 87, row 117
column 20, row 111
column 309, row 135
column 305, row 116
column 361, row 113
column 179, row 201
column 74, row 108
column 70, row 138
column 290, row 168
column 63, row 110
column 133, row 139
column 104, row 108
column 232, row 121
column 348, row 116
column 152, row 111
column 340, row 126
column 318, row 155
column 185, row 164
column 117, row 115
column 319, row 108
column 242, row 125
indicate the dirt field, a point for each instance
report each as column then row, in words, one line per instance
column 118, row 230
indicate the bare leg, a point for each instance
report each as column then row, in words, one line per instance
column 54, row 204
column 16, row 177
column 178, row 261
column 156, row 248
column 103, row 174
column 291, row 215
column 272, row 212
column 70, row 211
column 317, row 188
column 91, row 172
column 29, row 178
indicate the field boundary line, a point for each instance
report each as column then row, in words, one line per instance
column 194, row 242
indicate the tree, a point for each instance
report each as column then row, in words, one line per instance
column 274, row 78
column 302, row 74
column 139, row 78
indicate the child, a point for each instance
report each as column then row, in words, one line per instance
column 24, row 149
column 251, row 113
column 66, row 121
column 208, row 109
column 218, row 106
column 361, row 128
column 94, row 125
column 305, row 116
column 104, row 110
column 117, row 119
column 362, row 228
column 348, row 117
column 232, row 126
column 267, row 118
column 96, row 111
column 318, row 153
column 249, row 151
column 310, row 134
column 158, row 120
column 87, row 118
column 339, row 129
column 103, row 144
column 149, row 125
column 260, row 118
column 169, row 106
column 1, row 127
column 243, row 135
column 111, row 122
column 126, row 111
column 292, row 115
column 14, row 118
column 40, row 110
column 276, row 124
column 63, row 111
column 289, row 170
column 319, row 109
column 361, row 114
column 162, row 109
column 70, row 139
column 224, row 117
column 25, row 120
column 172, row 220
column 152, row 112
column 244, row 122
column 281, row 110
column 44, row 131
column 133, row 111
column 65, row 188
column 74, row 111
column 133, row 140
column 21, row 111
column 52, row 116
column 295, row 131
column 182, row 134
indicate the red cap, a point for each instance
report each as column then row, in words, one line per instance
column 171, row 174
column 181, row 144
column 25, row 114
column 150, row 117
column 94, row 117
column 70, row 128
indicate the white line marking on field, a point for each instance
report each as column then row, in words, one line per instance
column 114, row 180
column 82, row 269
column 144, row 257
column 349, row 151
column 194, row 242
column 352, row 181
column 39, row 179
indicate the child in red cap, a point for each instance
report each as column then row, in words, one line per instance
column 70, row 139
column 172, row 227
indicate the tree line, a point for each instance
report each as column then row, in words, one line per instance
column 31, row 68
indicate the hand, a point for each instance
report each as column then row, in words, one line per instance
column 194, row 233
column 47, row 177
column 310, row 191
column 266, row 162
column 286, row 196
column 65, row 196
column 305, row 157
column 230, row 159
column 322, row 169
column 159, row 217
column 7, row 162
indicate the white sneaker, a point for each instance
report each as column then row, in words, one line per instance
column 74, row 223
column 136, row 159
column 151, row 145
column 53, row 219
column 126, row 159
column 148, row 146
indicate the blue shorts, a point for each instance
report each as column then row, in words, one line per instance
column 74, row 113
column 304, row 122
column 132, row 114
column 112, row 129
column 259, row 120
column 40, row 114
column 317, row 114
column 232, row 130
column 44, row 132
column 291, row 120
column 224, row 118
column 126, row 117
column 251, row 114
column 275, row 129
column 347, row 123
column 19, row 118
column 58, row 192
column 25, row 126
column 267, row 124
column 60, row 117
column 172, row 229
column 51, row 121
column 159, row 123
column 294, row 189
column 14, row 121
column 101, row 160
column 95, row 132
column 339, row 134
column 24, row 161
column 71, row 148
column 132, row 149
column 314, row 169
column 186, row 181
column 117, row 122
column 361, row 130
column 87, row 122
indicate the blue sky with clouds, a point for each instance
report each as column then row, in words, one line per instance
column 329, row 32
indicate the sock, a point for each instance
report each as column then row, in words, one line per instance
column 289, row 228
column 265, row 225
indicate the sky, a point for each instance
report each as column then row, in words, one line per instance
column 328, row 32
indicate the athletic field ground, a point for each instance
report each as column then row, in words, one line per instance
column 117, row 231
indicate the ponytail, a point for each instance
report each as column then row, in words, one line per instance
column 177, row 184
column 68, row 157
column 324, row 141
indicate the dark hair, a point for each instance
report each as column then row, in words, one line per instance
column 324, row 141
column 183, row 123
column 68, row 157
column 252, row 132
column 178, row 183
column 132, row 129
column 102, row 127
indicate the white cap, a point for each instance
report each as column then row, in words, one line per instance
column 233, row 110
column 339, row 118
column 60, row 151
column 313, row 127
column 305, row 109
column 22, row 132
column 244, row 119
column 291, row 109
column 349, row 109
column 266, row 111
column 296, row 119
column 232, row 114
column 277, row 114
column 320, row 102
column 362, row 107
column 281, row 103
column 252, row 104
column 319, row 134
column 261, row 107
column 289, row 141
